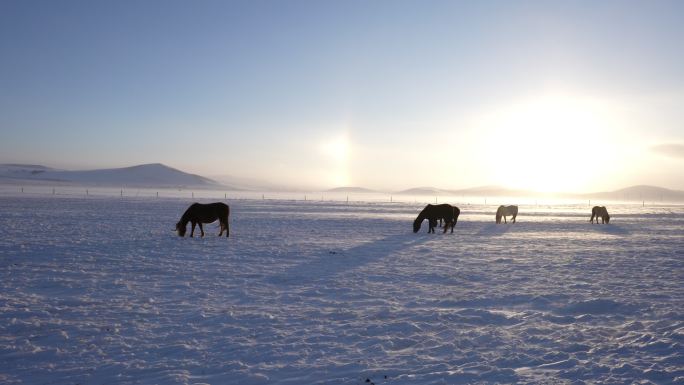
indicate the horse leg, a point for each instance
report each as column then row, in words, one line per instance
column 224, row 226
column 227, row 229
column 192, row 232
column 514, row 218
column 201, row 229
column 506, row 222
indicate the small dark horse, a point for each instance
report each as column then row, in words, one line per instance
column 199, row 213
column 433, row 213
column 599, row 212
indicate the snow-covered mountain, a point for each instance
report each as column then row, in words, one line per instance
column 351, row 189
column 640, row 192
column 475, row 191
column 423, row 191
column 155, row 174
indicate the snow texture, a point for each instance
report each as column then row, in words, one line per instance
column 99, row 290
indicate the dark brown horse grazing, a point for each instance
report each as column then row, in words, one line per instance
column 433, row 213
column 199, row 213
column 599, row 212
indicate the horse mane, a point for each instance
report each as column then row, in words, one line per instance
column 499, row 213
column 185, row 218
column 420, row 218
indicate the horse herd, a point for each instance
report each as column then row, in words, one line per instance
column 198, row 213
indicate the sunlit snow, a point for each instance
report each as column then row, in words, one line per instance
column 99, row 290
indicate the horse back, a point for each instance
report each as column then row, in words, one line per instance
column 208, row 212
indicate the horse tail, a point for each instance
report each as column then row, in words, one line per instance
column 227, row 224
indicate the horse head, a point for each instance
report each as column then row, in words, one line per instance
column 417, row 223
column 181, row 229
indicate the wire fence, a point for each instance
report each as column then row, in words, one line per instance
column 199, row 194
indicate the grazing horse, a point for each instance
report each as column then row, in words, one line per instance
column 433, row 213
column 599, row 211
column 504, row 211
column 199, row 213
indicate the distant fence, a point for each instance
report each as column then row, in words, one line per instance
column 339, row 197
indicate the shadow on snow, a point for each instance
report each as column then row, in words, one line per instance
column 331, row 263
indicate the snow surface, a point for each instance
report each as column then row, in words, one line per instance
column 99, row 290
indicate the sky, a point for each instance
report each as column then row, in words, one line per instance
column 569, row 96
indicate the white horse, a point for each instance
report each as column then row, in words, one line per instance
column 505, row 211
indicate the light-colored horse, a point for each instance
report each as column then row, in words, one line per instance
column 505, row 211
column 600, row 211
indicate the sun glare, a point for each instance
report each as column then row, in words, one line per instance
column 549, row 144
column 336, row 153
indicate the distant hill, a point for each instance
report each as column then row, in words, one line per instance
column 424, row 191
column 251, row 184
column 146, row 175
column 640, row 192
column 351, row 189
column 475, row 191
column 492, row 191
column 634, row 193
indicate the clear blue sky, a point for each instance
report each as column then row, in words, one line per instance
column 385, row 94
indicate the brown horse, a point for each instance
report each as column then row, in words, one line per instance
column 433, row 213
column 599, row 211
column 199, row 213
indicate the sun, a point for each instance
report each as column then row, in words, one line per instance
column 549, row 144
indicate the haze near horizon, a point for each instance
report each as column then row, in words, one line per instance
column 573, row 97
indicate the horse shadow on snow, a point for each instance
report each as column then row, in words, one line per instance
column 611, row 229
column 330, row 263
column 493, row 229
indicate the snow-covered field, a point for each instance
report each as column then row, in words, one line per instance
column 99, row 290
